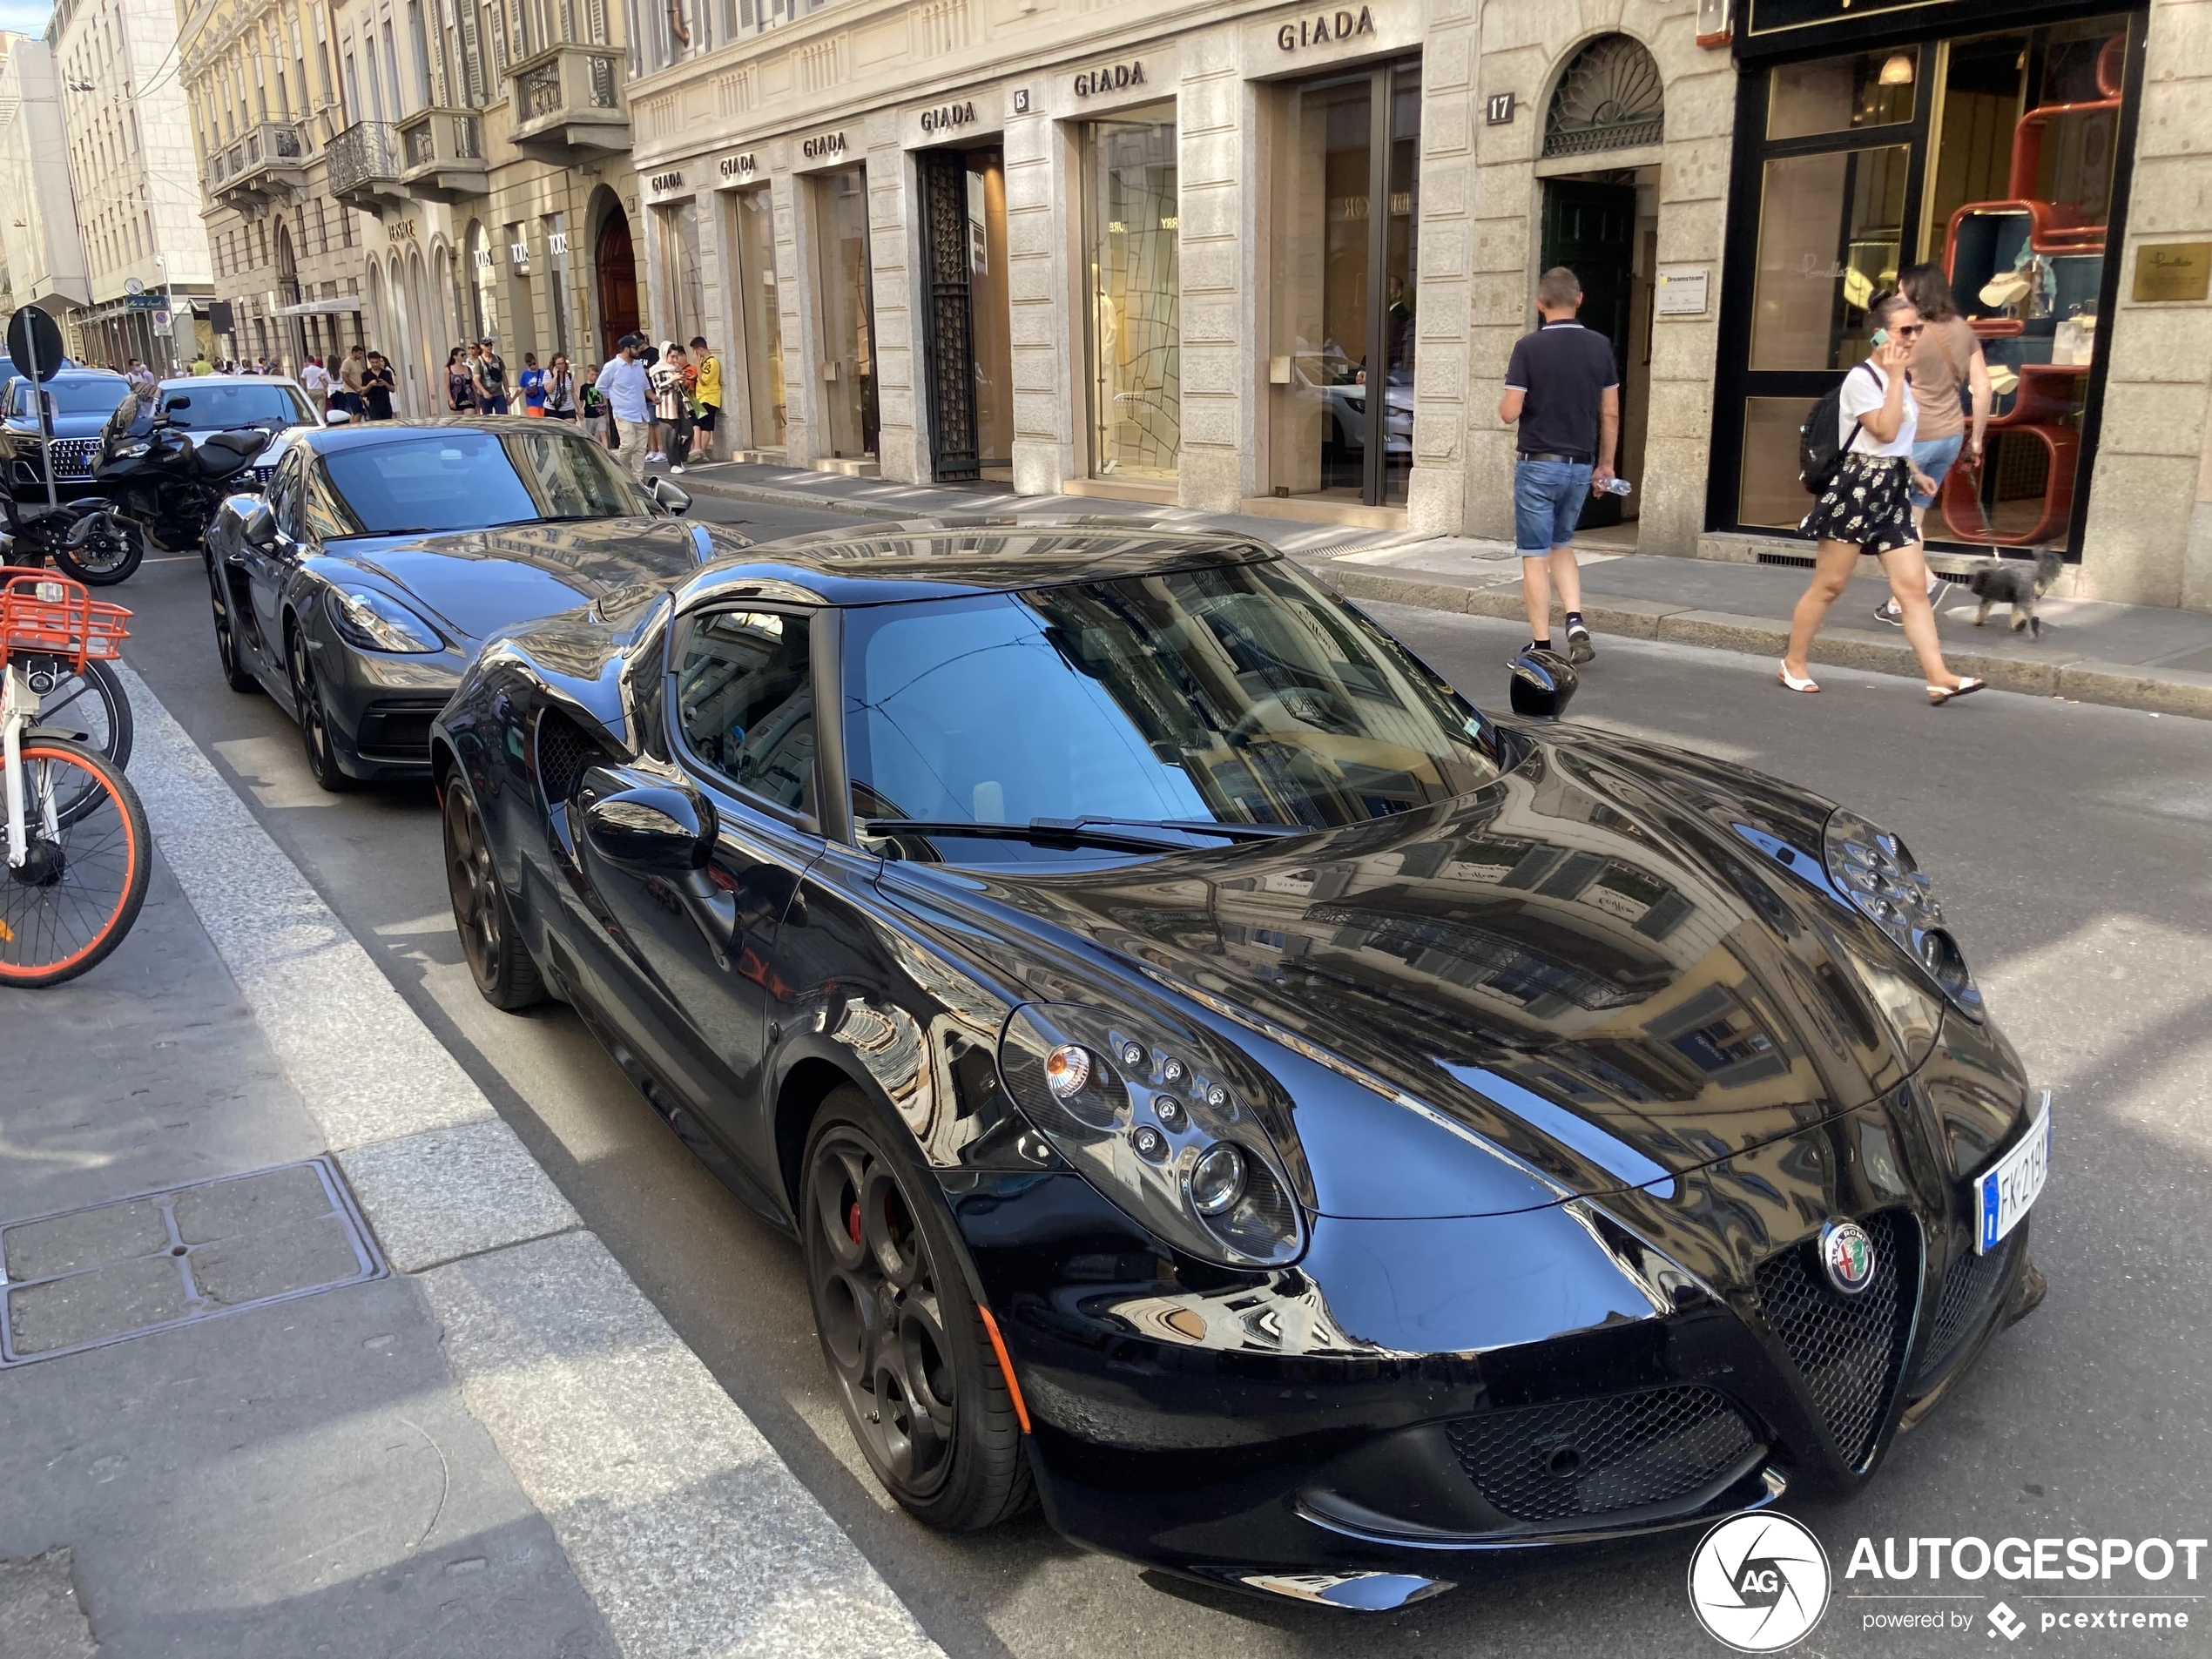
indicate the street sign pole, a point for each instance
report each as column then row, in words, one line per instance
column 38, row 397
column 34, row 341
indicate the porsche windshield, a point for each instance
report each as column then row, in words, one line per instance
column 1237, row 694
column 212, row 407
column 457, row 479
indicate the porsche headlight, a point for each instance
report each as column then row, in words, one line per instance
column 374, row 621
column 1872, row 870
column 1172, row 1125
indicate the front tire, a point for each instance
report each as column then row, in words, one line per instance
column 110, row 556
column 237, row 677
column 904, row 1340
column 498, row 960
column 315, row 733
column 75, row 897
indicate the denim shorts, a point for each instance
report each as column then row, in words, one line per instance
column 1934, row 458
column 1548, row 498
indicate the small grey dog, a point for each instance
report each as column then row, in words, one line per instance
column 2012, row 582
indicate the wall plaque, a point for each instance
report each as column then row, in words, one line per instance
column 1498, row 110
column 1682, row 291
column 2173, row 270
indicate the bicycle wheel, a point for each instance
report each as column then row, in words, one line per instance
column 72, row 899
column 89, row 700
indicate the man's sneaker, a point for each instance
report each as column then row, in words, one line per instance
column 1578, row 649
column 677, row 466
column 1888, row 612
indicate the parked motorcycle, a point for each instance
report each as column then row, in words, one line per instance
column 162, row 487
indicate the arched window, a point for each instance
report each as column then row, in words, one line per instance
column 1608, row 99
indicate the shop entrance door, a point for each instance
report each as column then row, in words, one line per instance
column 849, row 312
column 616, row 263
column 970, row 323
column 1591, row 228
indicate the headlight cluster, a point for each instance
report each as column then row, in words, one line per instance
column 1872, row 869
column 1165, row 1124
column 374, row 621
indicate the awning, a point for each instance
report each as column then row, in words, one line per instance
column 342, row 305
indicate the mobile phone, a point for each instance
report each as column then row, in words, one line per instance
column 1880, row 338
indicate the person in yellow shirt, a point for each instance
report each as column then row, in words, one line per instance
column 708, row 395
column 202, row 365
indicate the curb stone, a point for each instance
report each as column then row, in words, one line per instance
column 2161, row 690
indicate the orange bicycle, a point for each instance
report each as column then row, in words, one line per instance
column 77, row 847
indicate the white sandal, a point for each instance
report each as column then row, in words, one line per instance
column 1782, row 672
column 1940, row 695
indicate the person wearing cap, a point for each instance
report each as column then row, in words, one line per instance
column 621, row 383
column 489, row 372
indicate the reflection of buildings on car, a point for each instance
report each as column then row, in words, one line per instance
column 1133, row 252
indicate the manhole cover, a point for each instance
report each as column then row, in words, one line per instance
column 136, row 1265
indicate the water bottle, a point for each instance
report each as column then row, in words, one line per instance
column 1616, row 486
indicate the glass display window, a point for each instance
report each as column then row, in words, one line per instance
column 760, row 314
column 1133, row 289
column 848, row 311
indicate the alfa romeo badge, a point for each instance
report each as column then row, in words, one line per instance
column 1848, row 1255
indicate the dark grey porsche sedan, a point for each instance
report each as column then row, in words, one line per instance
column 381, row 558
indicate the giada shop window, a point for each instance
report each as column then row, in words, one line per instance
column 1133, row 287
column 849, row 393
column 751, row 238
column 1994, row 155
column 1342, row 285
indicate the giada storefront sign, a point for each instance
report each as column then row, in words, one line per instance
column 1110, row 78
column 945, row 118
column 1323, row 27
column 823, row 144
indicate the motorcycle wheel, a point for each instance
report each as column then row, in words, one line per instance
column 107, row 557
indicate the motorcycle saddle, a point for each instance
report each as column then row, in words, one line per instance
column 220, row 454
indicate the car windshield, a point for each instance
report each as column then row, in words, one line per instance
column 1237, row 694
column 215, row 409
column 459, row 480
column 64, row 397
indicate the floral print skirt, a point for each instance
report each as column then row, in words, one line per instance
column 1869, row 506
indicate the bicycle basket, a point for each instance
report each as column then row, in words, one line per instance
column 54, row 617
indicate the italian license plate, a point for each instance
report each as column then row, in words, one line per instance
column 2003, row 1193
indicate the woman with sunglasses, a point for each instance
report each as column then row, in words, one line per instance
column 1868, row 508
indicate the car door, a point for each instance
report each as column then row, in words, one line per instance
column 267, row 569
column 736, row 713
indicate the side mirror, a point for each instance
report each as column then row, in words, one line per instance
column 664, row 831
column 259, row 526
column 1543, row 684
column 675, row 497
column 177, row 403
column 335, row 417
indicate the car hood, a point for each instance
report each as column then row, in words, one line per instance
column 1598, row 963
column 65, row 426
column 476, row 583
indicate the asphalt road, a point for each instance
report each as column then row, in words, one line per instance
column 2069, row 844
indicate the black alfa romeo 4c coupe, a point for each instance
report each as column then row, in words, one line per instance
column 1302, row 1130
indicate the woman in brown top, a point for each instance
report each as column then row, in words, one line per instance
column 1947, row 358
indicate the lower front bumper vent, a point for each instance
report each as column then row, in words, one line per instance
column 1969, row 1291
column 1594, row 1457
column 1847, row 1348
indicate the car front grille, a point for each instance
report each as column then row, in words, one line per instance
column 1588, row 1458
column 1969, row 1289
column 73, row 458
column 398, row 732
column 1847, row 1348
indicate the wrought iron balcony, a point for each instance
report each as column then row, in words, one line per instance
column 364, row 163
column 266, row 161
column 442, row 154
column 567, row 105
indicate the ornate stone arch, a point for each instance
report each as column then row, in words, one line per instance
column 1609, row 97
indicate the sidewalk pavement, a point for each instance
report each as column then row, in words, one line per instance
column 305, row 1354
column 2131, row 655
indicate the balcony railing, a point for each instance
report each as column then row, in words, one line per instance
column 442, row 154
column 270, row 159
column 364, row 163
column 566, row 103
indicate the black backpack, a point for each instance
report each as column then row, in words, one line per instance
column 1820, row 458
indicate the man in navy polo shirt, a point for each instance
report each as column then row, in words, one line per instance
column 1563, row 390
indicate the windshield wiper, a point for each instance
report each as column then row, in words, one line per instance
column 555, row 518
column 1044, row 832
column 1195, row 826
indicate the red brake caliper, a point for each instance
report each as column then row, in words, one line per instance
column 853, row 1221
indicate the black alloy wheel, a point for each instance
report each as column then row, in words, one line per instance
column 108, row 555
column 315, row 734
column 904, row 1340
column 501, row 964
column 236, row 675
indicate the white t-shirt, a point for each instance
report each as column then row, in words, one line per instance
column 315, row 378
column 1865, row 389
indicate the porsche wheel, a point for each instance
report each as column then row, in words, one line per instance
column 499, row 961
column 236, row 675
column 905, row 1342
column 315, row 735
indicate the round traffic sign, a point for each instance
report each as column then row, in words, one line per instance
column 35, row 343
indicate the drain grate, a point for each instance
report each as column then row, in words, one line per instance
column 131, row 1266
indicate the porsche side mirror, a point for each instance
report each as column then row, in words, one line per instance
column 1543, row 684
column 675, row 497
column 259, row 528
column 664, row 831
column 336, row 417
